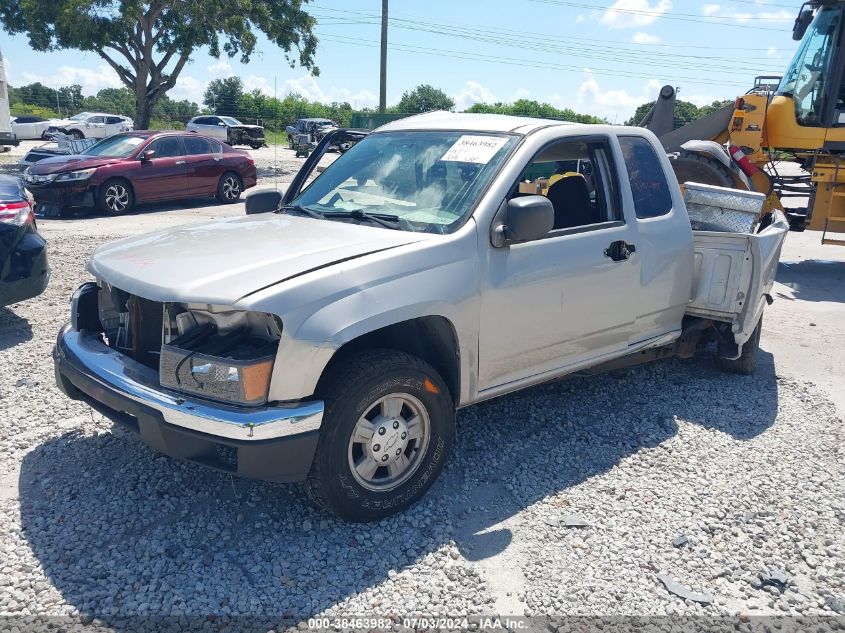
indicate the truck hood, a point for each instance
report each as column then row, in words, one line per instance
column 223, row 261
column 57, row 164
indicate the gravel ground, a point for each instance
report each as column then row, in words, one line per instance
column 748, row 469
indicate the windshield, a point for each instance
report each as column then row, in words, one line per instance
column 80, row 116
column 806, row 78
column 117, row 146
column 429, row 180
column 230, row 121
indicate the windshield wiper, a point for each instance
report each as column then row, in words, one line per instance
column 298, row 208
column 384, row 219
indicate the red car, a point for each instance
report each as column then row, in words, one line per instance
column 126, row 169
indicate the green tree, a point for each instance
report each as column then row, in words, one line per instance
column 111, row 100
column 685, row 112
column 527, row 107
column 148, row 42
column 223, row 96
column 424, row 98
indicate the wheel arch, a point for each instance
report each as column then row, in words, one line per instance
column 432, row 338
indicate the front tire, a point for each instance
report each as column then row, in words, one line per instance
column 76, row 134
column 229, row 188
column 388, row 426
column 115, row 197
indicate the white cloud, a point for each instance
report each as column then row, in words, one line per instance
column 91, row 81
column 699, row 100
column 645, row 38
column 616, row 105
column 188, row 87
column 716, row 11
column 308, row 87
column 220, row 69
column 473, row 92
column 626, row 14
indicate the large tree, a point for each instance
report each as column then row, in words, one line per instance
column 424, row 98
column 148, row 42
column 223, row 96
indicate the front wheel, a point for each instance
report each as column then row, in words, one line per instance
column 76, row 134
column 229, row 188
column 115, row 197
column 388, row 426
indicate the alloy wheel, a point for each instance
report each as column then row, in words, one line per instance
column 117, row 198
column 389, row 442
column 231, row 188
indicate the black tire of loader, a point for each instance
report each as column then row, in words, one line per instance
column 692, row 167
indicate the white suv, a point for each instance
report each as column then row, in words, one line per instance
column 91, row 125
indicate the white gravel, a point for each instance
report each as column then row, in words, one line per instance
column 749, row 469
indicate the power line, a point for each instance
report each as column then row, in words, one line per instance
column 524, row 63
column 533, row 34
column 683, row 17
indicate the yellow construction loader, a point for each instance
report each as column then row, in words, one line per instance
column 801, row 114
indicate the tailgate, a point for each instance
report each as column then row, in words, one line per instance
column 734, row 273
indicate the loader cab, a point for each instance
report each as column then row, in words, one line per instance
column 808, row 109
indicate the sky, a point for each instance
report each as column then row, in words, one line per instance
column 603, row 58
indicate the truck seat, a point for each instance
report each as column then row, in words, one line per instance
column 571, row 199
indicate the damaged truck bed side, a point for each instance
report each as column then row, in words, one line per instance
column 330, row 335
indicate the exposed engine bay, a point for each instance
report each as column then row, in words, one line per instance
column 210, row 351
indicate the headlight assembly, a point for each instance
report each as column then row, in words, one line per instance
column 232, row 366
column 74, row 176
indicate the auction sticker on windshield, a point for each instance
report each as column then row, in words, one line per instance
column 474, row 149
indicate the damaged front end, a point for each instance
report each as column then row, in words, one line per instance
column 252, row 135
column 208, row 351
column 192, row 380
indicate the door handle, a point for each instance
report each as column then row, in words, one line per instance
column 180, row 162
column 620, row 250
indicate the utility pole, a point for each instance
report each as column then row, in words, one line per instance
column 382, row 100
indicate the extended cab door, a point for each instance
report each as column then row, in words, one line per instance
column 572, row 295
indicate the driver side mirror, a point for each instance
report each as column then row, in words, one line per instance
column 263, row 202
column 805, row 16
column 147, row 155
column 525, row 219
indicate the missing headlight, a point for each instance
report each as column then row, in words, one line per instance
column 231, row 366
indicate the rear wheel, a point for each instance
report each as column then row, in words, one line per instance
column 229, row 188
column 747, row 361
column 115, row 197
column 692, row 167
column 255, row 145
column 388, row 426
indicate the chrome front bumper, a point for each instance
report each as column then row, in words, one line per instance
column 109, row 377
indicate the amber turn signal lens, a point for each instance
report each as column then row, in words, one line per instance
column 256, row 380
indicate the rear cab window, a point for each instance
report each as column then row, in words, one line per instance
column 649, row 187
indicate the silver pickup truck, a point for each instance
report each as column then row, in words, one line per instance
column 443, row 260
